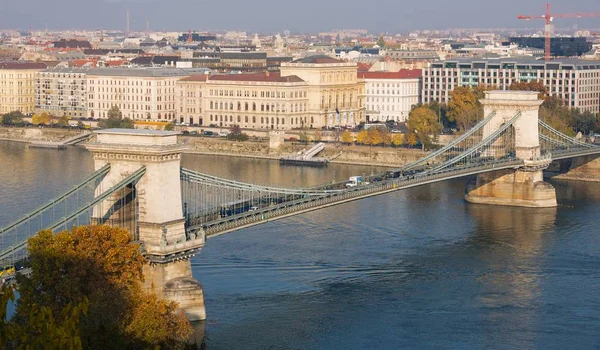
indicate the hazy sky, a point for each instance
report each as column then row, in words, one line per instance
column 278, row 15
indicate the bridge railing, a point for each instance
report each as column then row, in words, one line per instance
column 264, row 214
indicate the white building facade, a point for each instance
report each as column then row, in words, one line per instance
column 391, row 95
column 576, row 82
column 139, row 93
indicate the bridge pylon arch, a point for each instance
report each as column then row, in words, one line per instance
column 523, row 186
column 159, row 224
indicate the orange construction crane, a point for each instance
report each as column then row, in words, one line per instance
column 549, row 18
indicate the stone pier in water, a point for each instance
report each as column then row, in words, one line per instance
column 524, row 186
column 159, row 222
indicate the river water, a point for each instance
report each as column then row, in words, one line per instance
column 418, row 268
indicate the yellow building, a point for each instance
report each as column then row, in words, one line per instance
column 252, row 101
column 17, row 86
column 335, row 95
column 256, row 101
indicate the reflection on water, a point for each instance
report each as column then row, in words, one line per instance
column 413, row 269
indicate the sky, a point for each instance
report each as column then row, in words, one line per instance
column 306, row 16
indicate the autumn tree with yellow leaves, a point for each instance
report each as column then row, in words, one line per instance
column 347, row 137
column 423, row 124
column 42, row 118
column 103, row 265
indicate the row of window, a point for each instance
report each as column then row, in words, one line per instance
column 263, row 120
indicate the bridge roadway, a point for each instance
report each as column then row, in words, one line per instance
column 263, row 215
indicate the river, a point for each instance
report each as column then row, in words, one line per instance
column 418, row 268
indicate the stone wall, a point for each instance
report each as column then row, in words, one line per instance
column 381, row 156
column 36, row 134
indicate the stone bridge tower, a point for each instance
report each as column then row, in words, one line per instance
column 525, row 185
column 159, row 221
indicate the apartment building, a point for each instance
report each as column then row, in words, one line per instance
column 188, row 99
column 575, row 81
column 335, row 95
column 255, row 101
column 62, row 92
column 140, row 93
column 391, row 95
column 17, row 86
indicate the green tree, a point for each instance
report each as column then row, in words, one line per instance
column 585, row 122
column 423, row 123
column 170, row 127
column 103, row 265
column 41, row 330
column 63, row 121
column 115, row 120
column 381, row 42
column 236, row 134
column 347, row 137
column 12, row 118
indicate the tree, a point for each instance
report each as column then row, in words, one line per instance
column 423, row 123
column 115, row 120
column 374, row 136
column 535, row 85
column 169, row 127
column 386, row 137
column 236, row 134
column 63, row 121
column 347, row 137
column 585, row 122
column 464, row 107
column 12, row 118
column 318, row 135
column 398, row 140
column 103, row 265
column 381, row 42
column 412, row 139
column 40, row 330
column 362, row 137
column 43, row 118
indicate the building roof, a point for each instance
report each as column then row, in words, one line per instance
column 147, row 72
column 318, row 59
column 259, row 77
column 402, row 74
column 196, row 77
column 363, row 67
column 523, row 60
column 244, row 55
column 22, row 65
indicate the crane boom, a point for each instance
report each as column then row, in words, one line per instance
column 548, row 29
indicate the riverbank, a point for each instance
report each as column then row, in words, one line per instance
column 337, row 153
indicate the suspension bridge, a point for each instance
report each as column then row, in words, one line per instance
column 171, row 211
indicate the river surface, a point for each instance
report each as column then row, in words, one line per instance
column 418, row 268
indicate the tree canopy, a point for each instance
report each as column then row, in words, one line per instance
column 103, row 265
column 423, row 124
column 115, row 120
column 347, row 137
column 464, row 107
column 236, row 134
column 43, row 118
column 12, row 118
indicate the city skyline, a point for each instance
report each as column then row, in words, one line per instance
column 270, row 16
